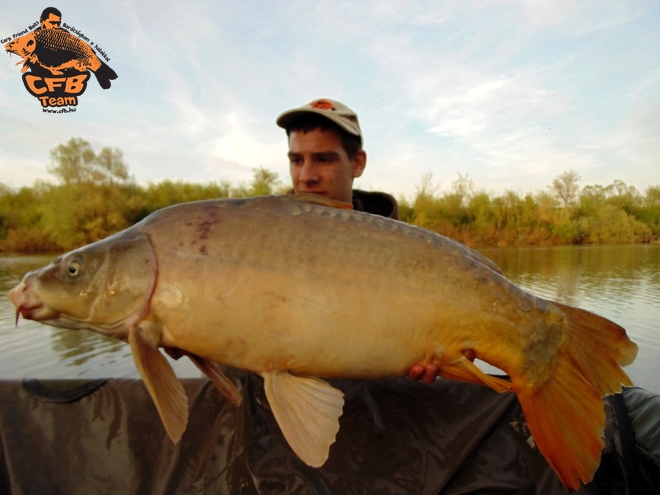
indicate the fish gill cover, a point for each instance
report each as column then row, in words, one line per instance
column 57, row 60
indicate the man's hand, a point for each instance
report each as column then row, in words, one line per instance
column 429, row 372
column 426, row 373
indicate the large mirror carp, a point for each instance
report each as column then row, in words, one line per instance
column 298, row 288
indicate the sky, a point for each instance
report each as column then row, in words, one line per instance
column 509, row 94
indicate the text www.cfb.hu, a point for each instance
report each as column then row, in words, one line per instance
column 61, row 110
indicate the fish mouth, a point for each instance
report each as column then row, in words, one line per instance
column 32, row 307
column 29, row 305
column 36, row 313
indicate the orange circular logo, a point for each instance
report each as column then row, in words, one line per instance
column 323, row 105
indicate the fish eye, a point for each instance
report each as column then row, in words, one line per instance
column 74, row 267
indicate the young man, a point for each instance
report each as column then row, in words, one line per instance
column 325, row 156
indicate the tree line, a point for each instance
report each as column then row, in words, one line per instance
column 94, row 196
column 562, row 213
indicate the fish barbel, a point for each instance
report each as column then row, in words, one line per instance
column 298, row 287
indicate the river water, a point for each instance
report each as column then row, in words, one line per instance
column 621, row 283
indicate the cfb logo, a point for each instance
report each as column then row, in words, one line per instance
column 56, row 91
column 57, row 61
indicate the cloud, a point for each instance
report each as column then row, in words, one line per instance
column 30, row 171
column 547, row 12
column 475, row 107
column 240, row 148
column 635, row 139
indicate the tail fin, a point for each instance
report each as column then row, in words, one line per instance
column 104, row 74
column 566, row 415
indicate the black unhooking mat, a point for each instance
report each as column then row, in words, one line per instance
column 396, row 437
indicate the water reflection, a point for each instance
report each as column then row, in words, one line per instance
column 79, row 346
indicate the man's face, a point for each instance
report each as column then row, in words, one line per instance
column 53, row 21
column 319, row 164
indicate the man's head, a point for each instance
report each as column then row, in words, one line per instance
column 325, row 148
column 50, row 18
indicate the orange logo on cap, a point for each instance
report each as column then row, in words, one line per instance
column 323, row 105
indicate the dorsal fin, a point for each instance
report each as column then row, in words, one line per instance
column 320, row 200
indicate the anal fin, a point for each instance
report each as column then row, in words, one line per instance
column 307, row 410
column 161, row 382
column 465, row 370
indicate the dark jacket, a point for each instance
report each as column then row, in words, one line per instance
column 378, row 203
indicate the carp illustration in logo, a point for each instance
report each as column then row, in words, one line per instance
column 50, row 51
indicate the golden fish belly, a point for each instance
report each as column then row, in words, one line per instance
column 327, row 293
column 261, row 324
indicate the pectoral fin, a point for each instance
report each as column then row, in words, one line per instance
column 466, row 371
column 163, row 385
column 307, row 410
column 215, row 374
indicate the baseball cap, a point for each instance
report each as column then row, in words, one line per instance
column 333, row 110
